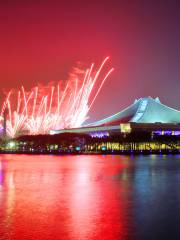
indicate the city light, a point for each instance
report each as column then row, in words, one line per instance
column 11, row 145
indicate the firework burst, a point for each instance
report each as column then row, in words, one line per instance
column 56, row 106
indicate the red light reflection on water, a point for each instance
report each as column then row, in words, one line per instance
column 74, row 197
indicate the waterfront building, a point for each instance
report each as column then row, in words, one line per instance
column 145, row 114
column 145, row 126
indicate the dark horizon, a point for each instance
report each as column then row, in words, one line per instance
column 42, row 41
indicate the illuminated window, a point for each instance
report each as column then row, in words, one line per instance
column 125, row 127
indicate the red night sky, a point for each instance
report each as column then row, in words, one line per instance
column 42, row 40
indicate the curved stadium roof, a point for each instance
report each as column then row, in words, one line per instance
column 143, row 110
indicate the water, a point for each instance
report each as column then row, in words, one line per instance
column 89, row 197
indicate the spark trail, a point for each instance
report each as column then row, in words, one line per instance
column 54, row 107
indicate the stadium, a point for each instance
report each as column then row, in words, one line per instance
column 146, row 126
column 144, row 114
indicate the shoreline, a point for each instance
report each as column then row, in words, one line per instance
column 121, row 152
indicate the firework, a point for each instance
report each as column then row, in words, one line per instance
column 54, row 107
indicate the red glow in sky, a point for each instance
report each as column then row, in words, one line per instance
column 42, row 40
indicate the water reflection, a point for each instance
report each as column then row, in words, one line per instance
column 89, row 197
column 156, row 197
column 47, row 197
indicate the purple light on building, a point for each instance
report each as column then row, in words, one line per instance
column 167, row 132
column 158, row 132
column 99, row 134
column 176, row 133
